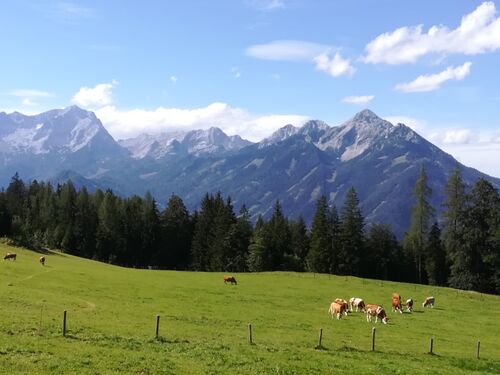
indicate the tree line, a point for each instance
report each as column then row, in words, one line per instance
column 462, row 252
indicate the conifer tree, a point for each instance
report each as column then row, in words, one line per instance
column 319, row 258
column 421, row 215
column 177, row 232
column 351, row 235
column 435, row 257
column 299, row 244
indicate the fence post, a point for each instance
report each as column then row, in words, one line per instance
column 431, row 344
column 250, row 334
column 64, row 323
column 478, row 347
column 373, row 339
column 320, row 338
column 157, row 326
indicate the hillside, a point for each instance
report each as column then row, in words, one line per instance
column 203, row 326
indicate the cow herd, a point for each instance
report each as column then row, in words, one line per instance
column 340, row 307
column 13, row 256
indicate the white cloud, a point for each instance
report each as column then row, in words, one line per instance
column 29, row 97
column 296, row 50
column 94, row 97
column 266, row 5
column 483, row 156
column 335, row 66
column 287, row 50
column 275, row 76
column 126, row 123
column 236, row 72
column 30, row 93
column 478, row 32
column 360, row 100
column 455, row 136
column 433, row 82
column 173, row 79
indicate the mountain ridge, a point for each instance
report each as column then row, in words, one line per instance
column 295, row 164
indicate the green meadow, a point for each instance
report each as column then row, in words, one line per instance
column 111, row 315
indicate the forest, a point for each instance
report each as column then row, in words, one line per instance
column 462, row 250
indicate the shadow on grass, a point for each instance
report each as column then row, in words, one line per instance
column 164, row 340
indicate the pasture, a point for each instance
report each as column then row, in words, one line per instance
column 203, row 326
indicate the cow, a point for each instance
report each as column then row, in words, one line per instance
column 357, row 303
column 10, row 256
column 344, row 304
column 230, row 279
column 42, row 260
column 336, row 309
column 429, row 301
column 396, row 303
column 376, row 311
column 409, row 305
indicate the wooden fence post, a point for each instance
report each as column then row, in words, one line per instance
column 64, row 323
column 373, row 339
column 320, row 338
column 478, row 347
column 157, row 326
column 250, row 340
column 431, row 344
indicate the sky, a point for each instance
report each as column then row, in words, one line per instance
column 253, row 66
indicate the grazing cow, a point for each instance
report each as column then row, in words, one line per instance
column 336, row 309
column 10, row 256
column 42, row 260
column 429, row 301
column 230, row 279
column 396, row 303
column 357, row 303
column 409, row 305
column 344, row 304
column 376, row 311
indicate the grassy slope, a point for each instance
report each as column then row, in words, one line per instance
column 111, row 318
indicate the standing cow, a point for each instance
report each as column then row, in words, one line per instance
column 396, row 303
column 12, row 256
column 230, row 279
column 429, row 301
column 343, row 302
column 409, row 305
column 376, row 311
column 336, row 309
column 357, row 303
column 42, row 260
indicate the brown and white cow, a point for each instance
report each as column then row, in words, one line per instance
column 42, row 260
column 336, row 309
column 429, row 301
column 396, row 303
column 10, row 256
column 344, row 304
column 376, row 311
column 357, row 303
column 229, row 279
column 409, row 305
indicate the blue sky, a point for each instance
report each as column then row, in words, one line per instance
column 252, row 66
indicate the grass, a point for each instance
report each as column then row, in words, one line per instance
column 203, row 326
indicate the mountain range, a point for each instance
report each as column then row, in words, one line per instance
column 295, row 164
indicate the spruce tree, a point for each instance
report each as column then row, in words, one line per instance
column 435, row 258
column 422, row 214
column 299, row 244
column 177, row 230
column 351, row 235
column 454, row 227
column 278, row 238
column 319, row 258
